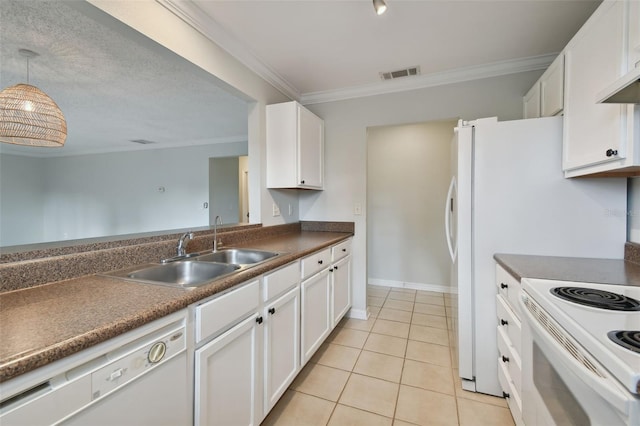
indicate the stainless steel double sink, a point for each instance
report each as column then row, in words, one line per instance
column 195, row 270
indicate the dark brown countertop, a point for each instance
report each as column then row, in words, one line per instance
column 605, row 271
column 42, row 324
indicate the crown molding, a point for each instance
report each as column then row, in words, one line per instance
column 458, row 75
column 207, row 26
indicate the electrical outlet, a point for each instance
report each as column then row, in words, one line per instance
column 357, row 209
column 276, row 210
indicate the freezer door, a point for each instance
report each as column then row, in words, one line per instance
column 462, row 154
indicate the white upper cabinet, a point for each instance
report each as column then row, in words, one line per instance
column 295, row 147
column 598, row 138
column 552, row 88
column 634, row 35
column 531, row 102
column 546, row 96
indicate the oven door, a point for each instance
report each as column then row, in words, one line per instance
column 561, row 383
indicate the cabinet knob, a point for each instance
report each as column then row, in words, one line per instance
column 504, row 322
column 330, row 269
column 302, row 182
column 319, row 262
column 335, row 267
column 259, row 320
column 503, row 285
column 344, row 250
column 611, row 152
column 505, row 358
column 272, row 311
column 505, row 395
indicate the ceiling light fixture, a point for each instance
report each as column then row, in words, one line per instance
column 28, row 116
column 380, row 6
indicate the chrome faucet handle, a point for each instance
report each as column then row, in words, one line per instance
column 181, row 249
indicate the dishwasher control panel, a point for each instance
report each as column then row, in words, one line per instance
column 128, row 367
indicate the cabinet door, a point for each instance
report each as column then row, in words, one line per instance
column 531, row 102
column 282, row 346
column 552, row 88
column 341, row 278
column 226, row 377
column 316, row 313
column 310, row 149
column 634, row 35
column 594, row 133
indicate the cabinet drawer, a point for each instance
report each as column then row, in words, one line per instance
column 509, row 288
column 281, row 280
column 512, row 396
column 216, row 315
column 508, row 322
column 510, row 359
column 315, row 262
column 340, row 250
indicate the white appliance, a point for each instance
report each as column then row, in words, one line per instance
column 508, row 195
column 139, row 378
column 581, row 353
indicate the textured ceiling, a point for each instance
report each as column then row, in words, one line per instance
column 112, row 83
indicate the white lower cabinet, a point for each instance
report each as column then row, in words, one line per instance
column 252, row 341
column 281, row 346
column 316, row 313
column 341, row 289
column 227, row 386
column 509, row 341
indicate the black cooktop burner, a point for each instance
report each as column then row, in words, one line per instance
column 597, row 298
column 626, row 338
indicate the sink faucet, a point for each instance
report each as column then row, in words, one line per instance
column 215, row 232
column 181, row 243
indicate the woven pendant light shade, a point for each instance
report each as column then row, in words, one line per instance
column 29, row 117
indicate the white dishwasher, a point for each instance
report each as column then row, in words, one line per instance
column 139, row 378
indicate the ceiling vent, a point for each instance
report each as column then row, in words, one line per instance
column 142, row 141
column 407, row 72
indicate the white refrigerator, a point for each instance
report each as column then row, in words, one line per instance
column 508, row 195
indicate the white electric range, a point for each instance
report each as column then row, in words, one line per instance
column 581, row 353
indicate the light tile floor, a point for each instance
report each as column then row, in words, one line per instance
column 396, row 369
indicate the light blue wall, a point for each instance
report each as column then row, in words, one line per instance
column 107, row 194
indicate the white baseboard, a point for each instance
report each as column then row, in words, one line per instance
column 414, row 286
column 362, row 314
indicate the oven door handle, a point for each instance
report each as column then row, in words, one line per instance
column 607, row 387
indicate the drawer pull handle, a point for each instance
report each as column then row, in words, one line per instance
column 272, row 311
column 505, row 358
column 319, row 262
column 504, row 322
column 505, row 395
column 503, row 285
column 259, row 320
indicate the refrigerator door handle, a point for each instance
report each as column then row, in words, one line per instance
column 452, row 240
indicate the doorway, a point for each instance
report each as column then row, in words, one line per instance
column 408, row 172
